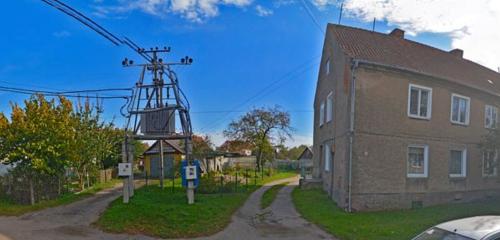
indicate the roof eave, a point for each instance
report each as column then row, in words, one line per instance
column 413, row 71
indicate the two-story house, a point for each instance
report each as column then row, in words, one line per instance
column 397, row 123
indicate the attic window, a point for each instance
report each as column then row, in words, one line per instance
column 490, row 82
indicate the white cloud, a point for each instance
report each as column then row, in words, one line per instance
column 472, row 25
column 193, row 10
column 262, row 11
column 323, row 3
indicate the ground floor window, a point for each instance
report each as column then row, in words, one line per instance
column 328, row 157
column 490, row 163
column 458, row 162
column 418, row 158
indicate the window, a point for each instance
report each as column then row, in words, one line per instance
column 328, row 157
column 329, row 107
column 327, row 65
column 458, row 163
column 490, row 163
column 460, row 108
column 419, row 102
column 490, row 116
column 322, row 114
column 418, row 158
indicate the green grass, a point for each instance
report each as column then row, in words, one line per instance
column 270, row 194
column 166, row 214
column 314, row 205
column 8, row 208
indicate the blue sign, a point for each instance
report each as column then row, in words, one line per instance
column 196, row 181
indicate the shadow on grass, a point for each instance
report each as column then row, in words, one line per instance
column 386, row 225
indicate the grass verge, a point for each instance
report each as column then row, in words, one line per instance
column 165, row 213
column 315, row 206
column 269, row 195
column 8, row 208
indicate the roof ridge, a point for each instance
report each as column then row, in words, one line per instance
column 430, row 47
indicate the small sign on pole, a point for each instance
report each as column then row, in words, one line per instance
column 124, row 169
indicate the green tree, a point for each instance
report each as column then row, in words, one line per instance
column 36, row 140
column 261, row 127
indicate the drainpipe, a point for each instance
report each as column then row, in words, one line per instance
column 355, row 64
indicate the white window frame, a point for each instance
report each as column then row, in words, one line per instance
column 327, row 65
column 426, row 161
column 486, row 116
column 322, row 113
column 495, row 173
column 328, row 157
column 329, row 107
column 467, row 109
column 464, row 163
column 429, row 102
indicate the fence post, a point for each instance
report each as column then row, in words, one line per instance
column 236, row 183
column 173, row 177
column 246, row 178
column 221, row 184
column 255, row 177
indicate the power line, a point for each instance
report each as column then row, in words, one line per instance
column 241, row 111
column 266, row 90
column 308, row 10
column 67, row 93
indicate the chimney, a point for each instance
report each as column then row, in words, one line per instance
column 397, row 33
column 457, row 52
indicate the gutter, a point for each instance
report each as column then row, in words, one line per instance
column 355, row 64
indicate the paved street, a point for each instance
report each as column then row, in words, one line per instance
column 279, row 221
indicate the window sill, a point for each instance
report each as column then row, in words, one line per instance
column 416, row 176
column 419, row 118
column 457, row 176
column 490, row 176
column 459, row 124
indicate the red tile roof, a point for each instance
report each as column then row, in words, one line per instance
column 406, row 54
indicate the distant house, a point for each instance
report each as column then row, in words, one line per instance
column 307, row 154
column 172, row 153
column 4, row 169
column 306, row 163
column 397, row 123
column 235, row 146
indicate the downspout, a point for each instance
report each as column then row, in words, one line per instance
column 355, row 64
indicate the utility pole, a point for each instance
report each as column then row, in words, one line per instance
column 152, row 108
column 152, row 111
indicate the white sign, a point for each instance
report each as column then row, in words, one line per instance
column 124, row 169
column 191, row 173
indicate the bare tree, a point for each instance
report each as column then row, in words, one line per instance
column 260, row 127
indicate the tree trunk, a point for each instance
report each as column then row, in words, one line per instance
column 259, row 159
column 32, row 191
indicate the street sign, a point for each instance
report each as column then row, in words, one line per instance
column 124, row 169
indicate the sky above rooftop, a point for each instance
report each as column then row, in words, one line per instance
column 247, row 53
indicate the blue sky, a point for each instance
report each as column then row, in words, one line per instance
column 242, row 59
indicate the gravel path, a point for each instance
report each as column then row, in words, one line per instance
column 73, row 221
column 279, row 221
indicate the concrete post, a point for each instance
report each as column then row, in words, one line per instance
column 131, row 184
column 125, row 179
column 190, row 192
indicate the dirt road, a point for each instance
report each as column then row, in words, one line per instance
column 73, row 221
